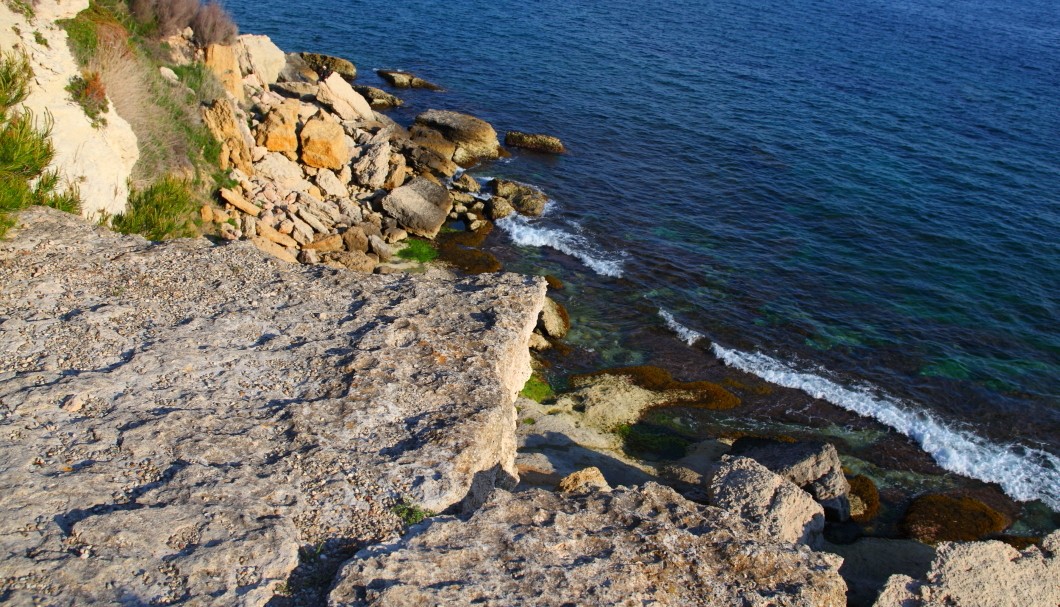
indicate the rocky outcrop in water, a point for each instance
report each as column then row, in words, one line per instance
column 181, row 418
column 812, row 465
column 406, row 80
column 534, row 141
column 628, row 546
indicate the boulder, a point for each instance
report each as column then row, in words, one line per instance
column 180, row 420
column 355, row 239
column 474, row 138
column 534, row 141
column 278, row 131
column 982, row 574
column 373, row 166
column 283, row 172
column 524, row 198
column 223, row 61
column 324, row 144
column 220, row 118
column 499, row 208
column 812, row 465
column 378, row 98
column 261, row 57
column 588, row 479
column 406, row 80
column 554, row 320
column 769, row 502
column 630, row 546
column 330, row 184
column 420, row 206
column 297, row 70
column 325, row 65
column 302, row 91
column 337, row 94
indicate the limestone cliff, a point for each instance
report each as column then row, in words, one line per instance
column 98, row 160
column 180, row 418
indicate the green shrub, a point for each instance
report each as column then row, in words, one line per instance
column 22, row 7
column 410, row 513
column 25, row 149
column 40, row 39
column 81, row 37
column 537, row 389
column 89, row 93
column 201, row 80
column 163, row 210
column 418, row 250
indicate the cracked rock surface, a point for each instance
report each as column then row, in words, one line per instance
column 630, row 546
column 179, row 419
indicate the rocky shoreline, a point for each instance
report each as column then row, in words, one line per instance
column 263, row 420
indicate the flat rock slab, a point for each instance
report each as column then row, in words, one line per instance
column 629, row 546
column 180, row 418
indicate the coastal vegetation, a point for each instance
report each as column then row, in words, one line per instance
column 537, row 389
column 121, row 49
column 26, row 149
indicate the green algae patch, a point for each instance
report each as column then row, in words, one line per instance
column 646, row 440
column 705, row 394
column 864, row 499
column 537, row 389
column 418, row 250
column 941, row 518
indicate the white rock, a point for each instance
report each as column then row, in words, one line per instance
column 260, row 56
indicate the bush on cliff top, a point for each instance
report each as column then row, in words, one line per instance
column 210, row 21
column 159, row 212
column 25, row 149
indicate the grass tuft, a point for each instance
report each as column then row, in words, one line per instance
column 14, row 79
column 164, row 210
column 410, row 513
column 25, row 149
column 88, row 91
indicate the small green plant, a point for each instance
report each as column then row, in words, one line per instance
column 410, row 513
column 537, row 389
column 201, row 80
column 81, row 36
column 14, row 79
column 88, row 91
column 418, row 250
column 163, row 210
column 554, row 411
column 529, row 421
column 41, row 40
column 21, row 7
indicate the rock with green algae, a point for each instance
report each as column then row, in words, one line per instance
column 937, row 518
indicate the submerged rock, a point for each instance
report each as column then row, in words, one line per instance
column 325, row 65
column 937, row 518
column 180, row 418
column 534, row 141
column 629, row 546
column 406, row 80
column 378, row 98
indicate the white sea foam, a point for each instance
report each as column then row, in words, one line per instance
column 523, row 232
column 1025, row 474
column 687, row 335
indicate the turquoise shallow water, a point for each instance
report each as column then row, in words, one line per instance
column 859, row 198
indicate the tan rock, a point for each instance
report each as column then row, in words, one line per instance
column 223, row 61
column 278, row 131
column 772, row 504
column 526, row 199
column 420, row 206
column 630, row 546
column 337, row 94
column 324, row 144
column 588, row 479
column 206, row 213
column 285, row 173
column 325, row 244
column 554, row 319
column 406, row 80
column 261, row 57
column 269, row 233
column 274, row 249
column 373, row 167
column 236, row 199
column 378, row 98
column 220, row 118
column 326, row 64
column 812, row 465
column 982, row 574
column 355, row 240
column 352, row 260
column 475, row 139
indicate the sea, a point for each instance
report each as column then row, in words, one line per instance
column 856, row 199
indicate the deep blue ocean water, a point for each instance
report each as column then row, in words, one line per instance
column 859, row 198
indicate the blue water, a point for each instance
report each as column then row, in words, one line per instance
column 864, row 193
